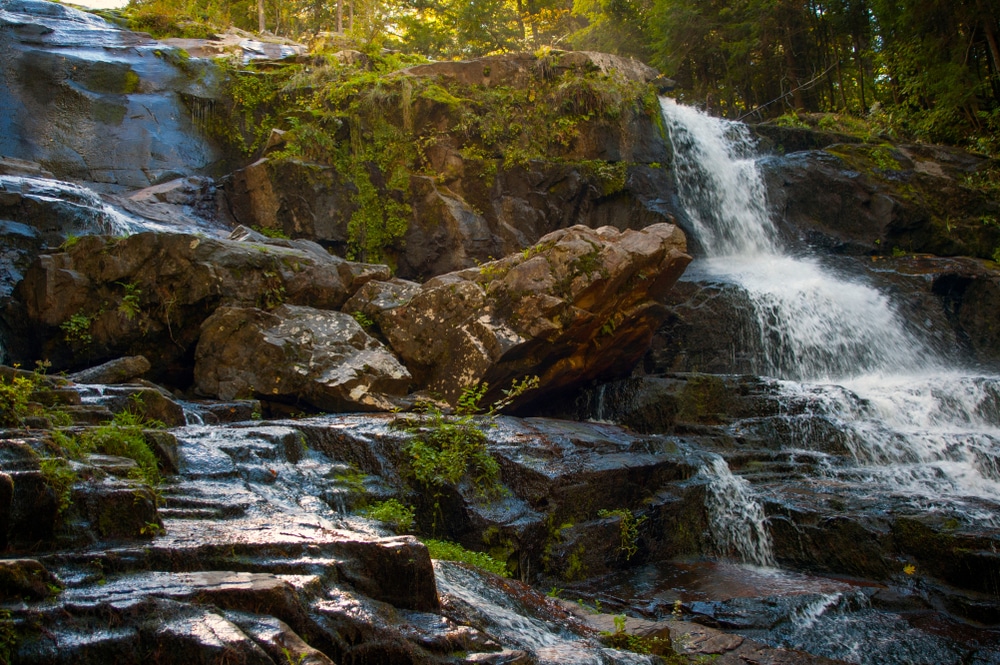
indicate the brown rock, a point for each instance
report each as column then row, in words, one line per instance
column 578, row 306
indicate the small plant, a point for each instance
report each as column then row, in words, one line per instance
column 554, row 592
column 60, row 477
column 69, row 241
column 129, row 306
column 269, row 232
column 449, row 449
column 448, row 551
column 898, row 252
column 363, row 319
column 15, row 397
column 273, row 292
column 393, row 513
column 8, row 637
column 628, row 526
column 123, row 436
column 77, row 329
column 293, row 659
column 152, row 529
column 620, row 639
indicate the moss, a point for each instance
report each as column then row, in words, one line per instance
column 702, row 400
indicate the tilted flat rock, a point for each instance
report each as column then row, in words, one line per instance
column 581, row 304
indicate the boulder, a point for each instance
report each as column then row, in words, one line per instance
column 467, row 215
column 149, row 293
column 580, row 305
column 294, row 354
column 26, row 578
column 120, row 370
column 518, row 69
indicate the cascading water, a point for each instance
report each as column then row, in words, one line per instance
column 838, row 347
column 737, row 518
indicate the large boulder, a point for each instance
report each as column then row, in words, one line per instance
column 293, row 354
column 580, row 305
column 149, row 293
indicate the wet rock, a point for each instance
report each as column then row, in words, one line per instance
column 580, row 305
column 862, row 199
column 392, row 570
column 24, row 579
column 6, row 500
column 121, row 370
column 322, row 358
column 149, row 293
column 725, row 649
column 279, row 641
column 116, row 509
column 67, row 100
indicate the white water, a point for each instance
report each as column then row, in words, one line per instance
column 736, row 517
column 916, row 427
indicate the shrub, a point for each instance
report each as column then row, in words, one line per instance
column 448, row 551
column 393, row 513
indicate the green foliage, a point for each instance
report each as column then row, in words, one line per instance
column 15, row 396
column 69, row 242
column 272, row 292
column 446, row 450
column 129, row 306
column 123, row 436
column 77, row 329
column 393, row 513
column 363, row 319
column 9, row 637
column 270, row 232
column 628, row 526
column 448, row 551
column 60, row 477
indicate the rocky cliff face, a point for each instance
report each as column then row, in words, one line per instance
column 94, row 103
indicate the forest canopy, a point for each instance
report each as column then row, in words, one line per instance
column 922, row 69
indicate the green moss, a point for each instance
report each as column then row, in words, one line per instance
column 702, row 400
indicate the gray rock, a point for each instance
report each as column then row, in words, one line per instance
column 120, row 370
column 296, row 353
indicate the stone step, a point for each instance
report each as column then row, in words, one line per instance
column 191, row 513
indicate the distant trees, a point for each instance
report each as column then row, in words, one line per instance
column 930, row 68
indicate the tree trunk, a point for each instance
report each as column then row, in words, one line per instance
column 340, row 17
column 260, row 16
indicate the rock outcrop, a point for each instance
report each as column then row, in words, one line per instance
column 148, row 294
column 91, row 102
column 876, row 199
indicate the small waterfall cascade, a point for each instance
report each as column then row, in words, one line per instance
column 84, row 203
column 736, row 517
column 839, row 348
column 813, row 325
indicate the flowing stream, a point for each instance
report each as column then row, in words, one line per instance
column 841, row 351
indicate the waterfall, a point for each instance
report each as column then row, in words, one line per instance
column 840, row 347
column 811, row 324
column 735, row 516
